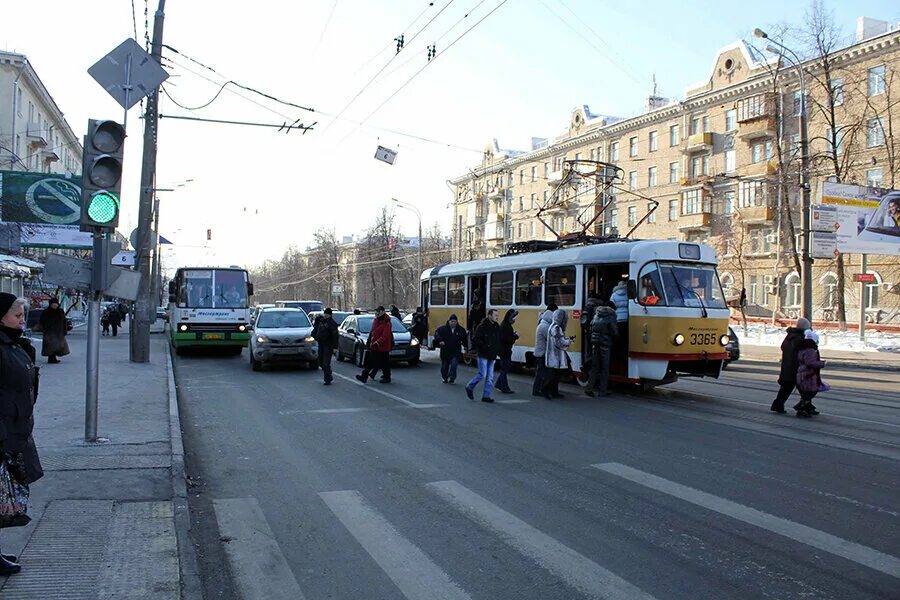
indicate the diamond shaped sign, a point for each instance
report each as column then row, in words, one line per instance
column 128, row 73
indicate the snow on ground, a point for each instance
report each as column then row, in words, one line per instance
column 766, row 335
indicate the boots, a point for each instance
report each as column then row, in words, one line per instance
column 8, row 567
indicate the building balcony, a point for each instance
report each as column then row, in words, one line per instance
column 694, row 181
column 496, row 193
column 761, row 106
column 752, row 215
column 555, row 177
column 760, row 169
column 758, row 128
column 37, row 135
column 698, row 221
column 698, row 142
column 49, row 155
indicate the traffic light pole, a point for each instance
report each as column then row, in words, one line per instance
column 140, row 324
column 92, row 387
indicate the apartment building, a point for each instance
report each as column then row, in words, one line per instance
column 720, row 167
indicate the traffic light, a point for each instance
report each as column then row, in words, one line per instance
column 101, row 176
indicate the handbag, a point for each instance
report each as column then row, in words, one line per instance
column 13, row 498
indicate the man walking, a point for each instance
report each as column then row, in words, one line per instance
column 326, row 333
column 115, row 319
column 451, row 339
column 53, row 325
column 420, row 326
column 381, row 340
column 603, row 334
column 487, row 345
column 787, row 378
column 540, row 349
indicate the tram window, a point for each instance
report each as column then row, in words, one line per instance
column 529, row 288
column 650, row 287
column 456, row 291
column 561, row 286
column 438, row 292
column 692, row 285
column 502, row 288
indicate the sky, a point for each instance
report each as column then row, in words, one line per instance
column 514, row 75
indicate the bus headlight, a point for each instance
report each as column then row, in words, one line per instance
column 242, row 328
column 724, row 339
column 182, row 327
column 678, row 339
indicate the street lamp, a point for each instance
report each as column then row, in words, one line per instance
column 806, row 260
column 156, row 271
column 419, row 216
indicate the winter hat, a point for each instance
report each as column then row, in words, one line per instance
column 452, row 318
column 327, row 311
column 803, row 324
column 809, row 334
column 6, row 301
column 53, row 301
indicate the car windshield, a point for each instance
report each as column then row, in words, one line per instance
column 281, row 319
column 886, row 220
column 365, row 325
column 691, row 285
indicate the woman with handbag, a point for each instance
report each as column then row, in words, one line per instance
column 809, row 379
column 18, row 392
column 556, row 357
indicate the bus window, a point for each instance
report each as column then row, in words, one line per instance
column 529, row 288
column 650, row 287
column 230, row 289
column 502, row 288
column 456, row 290
column 198, row 286
column 438, row 292
column 561, row 286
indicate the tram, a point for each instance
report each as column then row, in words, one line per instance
column 677, row 316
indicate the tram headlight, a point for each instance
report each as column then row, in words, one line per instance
column 182, row 327
column 678, row 339
column 724, row 339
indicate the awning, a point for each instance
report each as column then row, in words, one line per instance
column 22, row 262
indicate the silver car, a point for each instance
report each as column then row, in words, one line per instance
column 282, row 335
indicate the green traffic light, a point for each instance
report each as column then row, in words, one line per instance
column 103, row 207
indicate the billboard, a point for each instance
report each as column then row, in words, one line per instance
column 45, row 206
column 855, row 218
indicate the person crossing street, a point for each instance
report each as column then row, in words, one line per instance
column 326, row 333
column 452, row 339
column 381, row 340
column 487, row 345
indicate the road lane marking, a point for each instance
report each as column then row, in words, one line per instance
column 407, row 566
column 512, row 401
column 260, row 569
column 863, row 555
column 377, row 391
column 325, row 411
column 575, row 569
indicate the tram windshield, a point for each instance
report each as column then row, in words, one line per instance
column 680, row 284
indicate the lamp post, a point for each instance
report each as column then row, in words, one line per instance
column 806, row 260
column 156, row 272
column 419, row 216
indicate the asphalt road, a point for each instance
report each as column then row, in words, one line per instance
column 410, row 490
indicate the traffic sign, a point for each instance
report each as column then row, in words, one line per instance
column 124, row 259
column 128, row 73
column 864, row 277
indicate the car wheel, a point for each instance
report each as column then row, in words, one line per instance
column 359, row 358
column 179, row 351
column 255, row 364
column 413, row 362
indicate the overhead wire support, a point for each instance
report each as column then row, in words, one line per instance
column 286, row 127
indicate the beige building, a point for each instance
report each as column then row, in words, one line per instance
column 723, row 166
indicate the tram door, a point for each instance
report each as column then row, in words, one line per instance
column 601, row 280
column 476, row 306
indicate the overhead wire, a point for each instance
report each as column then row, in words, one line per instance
column 325, row 28
column 392, row 43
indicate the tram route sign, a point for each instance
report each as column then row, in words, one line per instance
column 46, row 206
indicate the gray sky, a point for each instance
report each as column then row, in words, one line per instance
column 516, row 75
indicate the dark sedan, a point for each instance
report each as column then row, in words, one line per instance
column 733, row 347
column 353, row 333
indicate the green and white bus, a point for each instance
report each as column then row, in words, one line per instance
column 210, row 306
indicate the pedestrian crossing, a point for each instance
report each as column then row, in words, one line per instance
column 262, row 571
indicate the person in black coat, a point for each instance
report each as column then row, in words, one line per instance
column 420, row 326
column 787, row 378
column 53, row 326
column 487, row 343
column 395, row 312
column 452, row 339
column 508, row 337
column 115, row 320
column 326, row 333
column 18, row 392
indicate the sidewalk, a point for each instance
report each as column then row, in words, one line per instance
column 104, row 515
column 880, row 361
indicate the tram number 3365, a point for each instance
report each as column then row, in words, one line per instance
column 703, row 339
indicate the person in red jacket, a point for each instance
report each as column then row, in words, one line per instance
column 381, row 340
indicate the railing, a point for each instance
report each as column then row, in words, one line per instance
column 699, row 141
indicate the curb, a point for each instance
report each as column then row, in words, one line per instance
column 833, row 363
column 191, row 587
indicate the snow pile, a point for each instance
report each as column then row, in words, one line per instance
column 766, row 335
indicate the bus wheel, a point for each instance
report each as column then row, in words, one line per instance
column 179, row 351
column 237, row 350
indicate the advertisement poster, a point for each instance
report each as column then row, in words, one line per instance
column 864, row 220
column 46, row 206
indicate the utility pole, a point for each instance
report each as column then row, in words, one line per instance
column 155, row 273
column 140, row 324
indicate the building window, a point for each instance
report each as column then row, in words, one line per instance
column 834, row 138
column 795, row 145
column 521, row 203
column 509, row 181
column 546, row 170
column 696, row 167
column 614, row 151
column 874, row 133
column 522, row 177
column 876, row 80
column 633, row 147
column 729, row 161
column 652, row 213
column 673, row 172
column 837, row 91
column 578, row 156
column 632, row 216
column 695, row 125
column 545, row 197
column 705, row 123
column 728, row 203
column 872, row 292
column 651, row 177
column 614, row 219
column 874, row 177
column 754, row 288
column 533, row 199
column 692, row 202
column 654, row 141
column 769, row 149
column 797, row 102
column 673, row 210
column 758, row 152
column 674, row 135
column 792, row 290
column 593, row 155
column 829, row 286
column 519, row 233
column 533, row 173
column 632, row 180
column 752, row 193
column 730, row 119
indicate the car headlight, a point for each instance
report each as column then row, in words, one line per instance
column 309, row 339
column 182, row 327
column 414, row 342
column 724, row 339
column 261, row 339
column 242, row 328
column 678, row 339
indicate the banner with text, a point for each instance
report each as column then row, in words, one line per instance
column 46, row 206
column 855, row 218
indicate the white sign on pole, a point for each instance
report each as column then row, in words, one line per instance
column 824, row 231
column 866, row 219
column 337, row 289
column 124, row 258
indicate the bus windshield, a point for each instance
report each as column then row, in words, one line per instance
column 681, row 284
column 213, row 288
